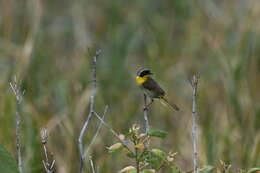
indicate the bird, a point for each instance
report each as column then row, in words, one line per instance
column 152, row 89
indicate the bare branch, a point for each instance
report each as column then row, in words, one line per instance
column 194, row 84
column 48, row 165
column 16, row 88
column 92, row 164
column 91, row 109
column 147, row 126
column 80, row 140
column 96, row 134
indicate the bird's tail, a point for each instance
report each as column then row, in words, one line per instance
column 164, row 101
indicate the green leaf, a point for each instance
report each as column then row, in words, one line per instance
column 7, row 162
column 159, row 153
column 153, row 161
column 157, row 133
column 254, row 170
column 148, row 171
column 128, row 169
column 133, row 171
column 174, row 169
column 206, row 169
column 115, row 147
column 130, row 155
column 155, row 158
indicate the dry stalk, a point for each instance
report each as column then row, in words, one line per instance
column 91, row 109
column 16, row 88
column 47, row 163
column 194, row 85
column 147, row 126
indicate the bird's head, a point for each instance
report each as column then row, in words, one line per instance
column 143, row 72
column 142, row 75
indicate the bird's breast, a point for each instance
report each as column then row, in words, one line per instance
column 140, row 80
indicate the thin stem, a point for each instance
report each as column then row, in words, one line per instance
column 92, row 165
column 45, row 153
column 91, row 109
column 48, row 166
column 18, row 94
column 18, row 137
column 147, row 127
column 82, row 132
column 137, row 162
column 194, row 84
column 96, row 134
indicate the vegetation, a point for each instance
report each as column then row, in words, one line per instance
column 48, row 46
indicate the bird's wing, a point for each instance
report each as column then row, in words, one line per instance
column 151, row 85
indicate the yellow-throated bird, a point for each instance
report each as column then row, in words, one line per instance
column 151, row 88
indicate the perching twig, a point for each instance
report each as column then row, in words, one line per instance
column 48, row 165
column 194, row 84
column 147, row 127
column 91, row 109
column 16, row 88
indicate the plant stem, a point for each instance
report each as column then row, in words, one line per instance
column 16, row 88
column 91, row 109
column 147, row 127
column 194, row 84
column 137, row 162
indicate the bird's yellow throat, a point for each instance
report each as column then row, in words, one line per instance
column 141, row 80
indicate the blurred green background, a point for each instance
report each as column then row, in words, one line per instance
column 45, row 44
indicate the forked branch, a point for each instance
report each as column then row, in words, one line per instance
column 47, row 163
column 91, row 108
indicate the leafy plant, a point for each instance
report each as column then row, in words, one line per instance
column 147, row 159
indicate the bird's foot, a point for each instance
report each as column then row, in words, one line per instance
column 145, row 108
